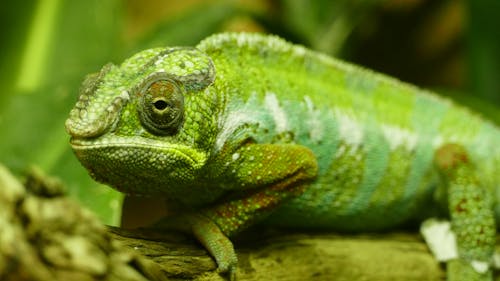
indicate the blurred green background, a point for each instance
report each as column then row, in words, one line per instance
column 48, row 46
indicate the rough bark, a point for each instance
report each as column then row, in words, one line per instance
column 45, row 236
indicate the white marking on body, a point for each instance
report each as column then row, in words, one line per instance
column 159, row 60
column 242, row 41
column 230, row 125
column 235, row 156
column 350, row 130
column 437, row 141
column 125, row 95
column 480, row 266
column 299, row 51
column 314, row 123
column 280, row 120
column 397, row 137
column 340, row 151
column 440, row 239
column 233, row 120
column 188, row 64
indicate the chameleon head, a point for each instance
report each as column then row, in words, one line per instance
column 145, row 126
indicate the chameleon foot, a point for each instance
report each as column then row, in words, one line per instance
column 210, row 236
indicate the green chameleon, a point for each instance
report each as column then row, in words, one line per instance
column 248, row 128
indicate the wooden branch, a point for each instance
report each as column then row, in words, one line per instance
column 46, row 236
column 299, row 256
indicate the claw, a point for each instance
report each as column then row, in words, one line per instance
column 229, row 268
column 210, row 236
column 232, row 273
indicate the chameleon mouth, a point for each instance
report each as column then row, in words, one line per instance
column 131, row 146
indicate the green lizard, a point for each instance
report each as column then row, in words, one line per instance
column 247, row 128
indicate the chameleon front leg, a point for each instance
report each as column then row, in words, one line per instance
column 259, row 177
column 472, row 217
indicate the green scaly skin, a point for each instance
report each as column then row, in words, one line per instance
column 247, row 127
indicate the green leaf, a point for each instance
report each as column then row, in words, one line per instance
column 62, row 41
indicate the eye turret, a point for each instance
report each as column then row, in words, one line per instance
column 161, row 107
column 176, row 71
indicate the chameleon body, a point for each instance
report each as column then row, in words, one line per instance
column 246, row 128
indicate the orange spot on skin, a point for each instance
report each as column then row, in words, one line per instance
column 449, row 156
column 161, row 86
column 459, row 208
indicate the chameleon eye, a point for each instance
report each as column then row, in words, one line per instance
column 161, row 107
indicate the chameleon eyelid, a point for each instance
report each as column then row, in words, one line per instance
column 165, row 118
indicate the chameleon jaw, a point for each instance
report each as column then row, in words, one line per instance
column 134, row 166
